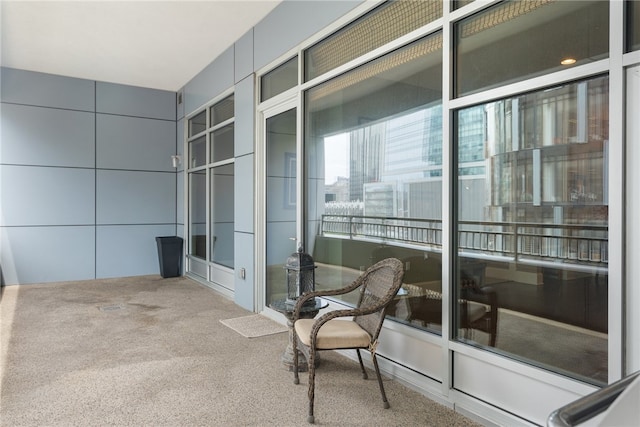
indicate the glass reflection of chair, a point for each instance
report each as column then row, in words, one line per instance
column 377, row 287
column 422, row 283
column 479, row 310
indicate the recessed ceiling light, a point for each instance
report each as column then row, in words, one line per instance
column 568, row 61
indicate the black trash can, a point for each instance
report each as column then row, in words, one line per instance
column 170, row 255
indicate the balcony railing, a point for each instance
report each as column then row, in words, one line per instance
column 521, row 242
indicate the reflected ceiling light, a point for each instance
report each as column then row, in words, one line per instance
column 568, row 61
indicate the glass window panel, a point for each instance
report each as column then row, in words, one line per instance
column 631, row 225
column 633, row 25
column 218, row 245
column 222, row 143
column 198, row 152
column 373, row 153
column 532, row 228
column 223, row 110
column 281, row 203
column 222, row 223
column 279, row 79
column 457, row 4
column 198, row 214
column 380, row 26
column 197, row 124
column 516, row 40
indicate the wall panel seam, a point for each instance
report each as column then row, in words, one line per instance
column 47, row 107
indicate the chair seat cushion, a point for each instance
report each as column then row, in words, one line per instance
column 336, row 333
column 476, row 311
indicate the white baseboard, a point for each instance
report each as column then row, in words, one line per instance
column 474, row 409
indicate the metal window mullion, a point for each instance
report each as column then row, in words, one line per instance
column 448, row 221
column 532, row 84
column 221, row 124
column 224, row 162
column 189, row 171
column 196, row 136
column 300, row 176
column 470, row 9
column 631, row 58
column 616, row 173
column 208, row 197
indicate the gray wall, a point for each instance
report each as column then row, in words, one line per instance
column 86, row 180
column 292, row 22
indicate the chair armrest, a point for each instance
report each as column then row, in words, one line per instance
column 486, row 294
column 323, row 293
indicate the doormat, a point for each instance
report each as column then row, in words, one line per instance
column 255, row 325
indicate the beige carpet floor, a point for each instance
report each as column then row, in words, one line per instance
column 148, row 351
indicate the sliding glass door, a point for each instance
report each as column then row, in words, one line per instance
column 280, row 199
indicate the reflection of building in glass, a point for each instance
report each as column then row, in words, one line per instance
column 535, row 159
column 432, row 149
column 338, row 191
column 366, row 148
column 400, row 152
column 471, row 137
column 546, row 155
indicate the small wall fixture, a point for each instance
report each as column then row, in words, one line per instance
column 568, row 61
column 176, row 160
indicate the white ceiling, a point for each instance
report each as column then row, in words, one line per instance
column 155, row 44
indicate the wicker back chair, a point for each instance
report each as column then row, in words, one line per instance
column 377, row 286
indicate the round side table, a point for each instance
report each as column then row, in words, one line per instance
column 306, row 312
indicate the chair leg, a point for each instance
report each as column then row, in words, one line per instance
column 384, row 396
column 312, row 380
column 294, row 341
column 493, row 325
column 364, row 372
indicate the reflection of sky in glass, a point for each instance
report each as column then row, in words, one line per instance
column 412, row 144
column 336, row 148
